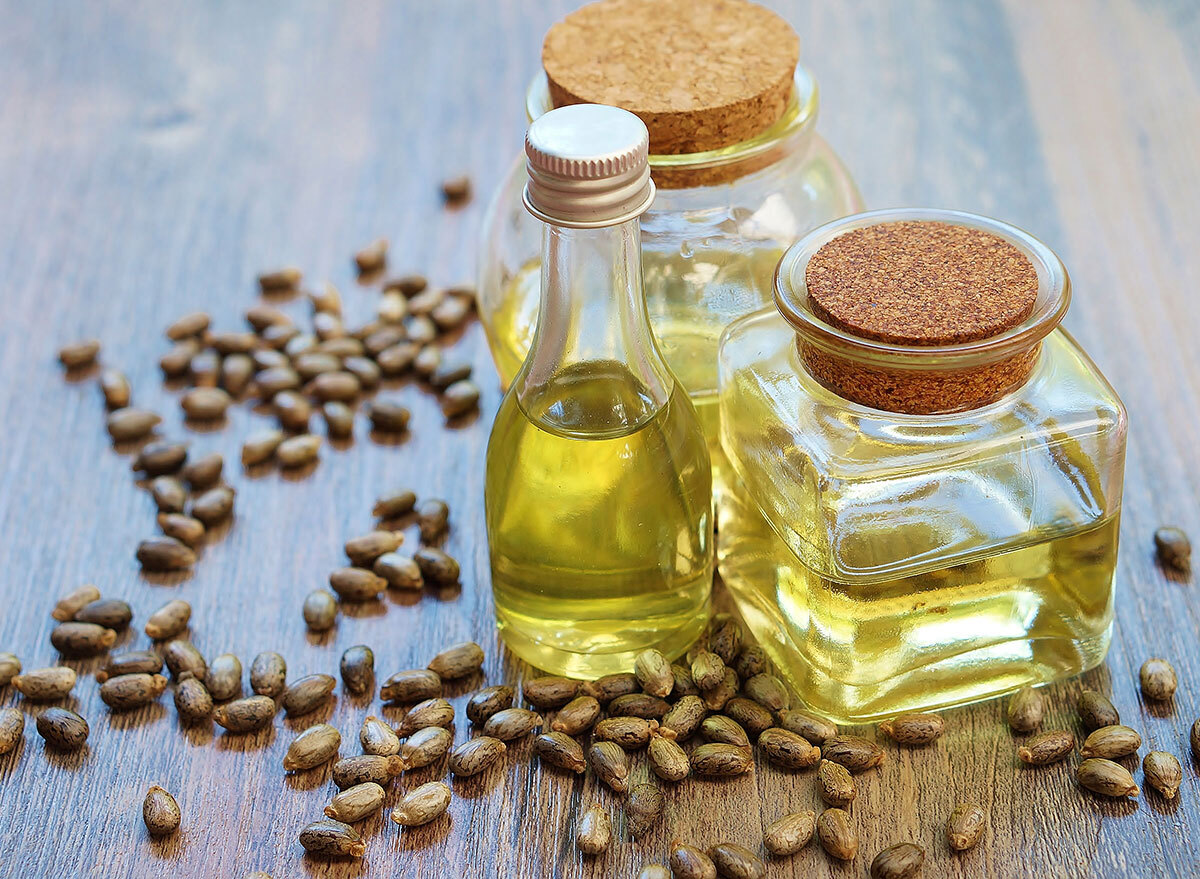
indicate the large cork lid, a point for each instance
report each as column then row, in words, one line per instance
column 702, row 74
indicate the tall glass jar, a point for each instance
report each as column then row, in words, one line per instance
column 719, row 223
column 917, row 526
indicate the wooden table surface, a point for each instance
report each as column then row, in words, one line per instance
column 154, row 157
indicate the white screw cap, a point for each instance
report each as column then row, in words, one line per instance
column 587, row 166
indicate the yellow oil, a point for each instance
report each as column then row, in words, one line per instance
column 599, row 521
column 867, row 648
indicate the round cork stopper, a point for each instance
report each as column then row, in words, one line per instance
column 702, row 74
column 921, row 282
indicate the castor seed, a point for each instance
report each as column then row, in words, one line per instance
column 294, row 411
column 160, row 458
column 236, row 372
column 751, row 660
column 549, row 691
column 268, row 674
column 394, row 505
column 708, row 670
column 262, row 315
column 224, row 678
column 160, row 812
column 332, row 838
column 169, row 494
column 668, row 760
column 594, row 832
column 160, row 554
column 183, row 528
column 431, row 712
column 340, row 386
column 611, row 765
column 12, row 729
column 654, row 871
column 193, row 702
column 213, row 506
column 422, row 805
column 114, row 386
column 400, row 571
column 407, row 285
column 363, row 551
column 10, row 667
column 397, row 358
column 320, row 610
column 1106, row 777
column 1163, row 773
column 233, row 342
column 413, row 685
column 855, row 753
column 644, row 809
column 424, row 302
column 718, row 759
column 725, row 730
column 449, row 373
column 307, row 694
column 475, row 755
column 433, row 518
column 373, row 257
column 364, row 369
column 1157, row 677
column 79, row 354
column 610, row 687
column 205, row 472
column 512, row 723
column 436, row 566
column 559, row 749
column 456, row 190
column 260, row 446
column 178, row 360
column 280, row 280
column 752, row 716
column 169, row 620
column 787, row 835
column 1025, row 710
column 81, row 639
column 111, row 613
column 768, row 691
column 451, row 311
column 426, row 746
column 356, row 803
column 45, row 684
column 129, row 424
column 689, row 862
column 788, row 750
column 62, row 729
column 900, row 861
column 297, row 451
column 837, row 835
column 69, row 604
column 339, row 419
column 487, row 702
column 130, row 691
column 205, row 369
column 421, row 330
column 1047, row 747
column 246, row 715
column 189, row 325
column 1096, row 711
column 460, row 398
column 1195, row 740
column 270, row 382
column 392, row 307
column 577, row 716
column 357, row 667
column 356, row 584
column 835, row 784
column 716, row 698
column 184, row 660
column 377, row 738
column 350, row 771
column 684, row 717
column 458, row 661
column 630, row 733
column 725, row 637
column 205, row 404
column 639, row 705
column 388, row 416
column 737, row 862
column 913, row 729
column 653, row 672
column 1111, row 742
column 316, row 745
column 1173, row 548
column 965, row 826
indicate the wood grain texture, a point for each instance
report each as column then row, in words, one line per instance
column 154, row 157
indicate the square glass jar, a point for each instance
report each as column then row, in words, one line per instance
column 894, row 561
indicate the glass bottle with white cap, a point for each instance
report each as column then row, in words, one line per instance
column 598, row 494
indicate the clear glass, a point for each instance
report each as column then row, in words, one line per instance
column 598, row 491
column 892, row 562
column 719, row 223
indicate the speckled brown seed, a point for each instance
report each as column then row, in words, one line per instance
column 388, row 416
column 70, row 603
column 356, row 803
column 716, row 698
column 837, row 835
column 205, row 404
column 412, row 685
column 787, row 750
column 708, row 670
column 356, row 584
column 668, row 760
column 315, row 746
column 610, row 764
column 350, row 771
column 307, row 694
column 594, row 832
column 129, row 424
column 639, row 705
column 436, row 566
column 644, row 808
column 1096, row 711
column 512, row 723
column 1173, row 548
column 111, row 613
column 377, row 738
column 476, row 755
column 1025, row 710
column 965, row 826
column 10, row 667
column 246, row 715
column 130, row 691
column 77, row 355
column 45, row 684
column 62, row 729
column 205, row 472
column 184, row 660
column 400, row 571
column 169, row 620
column 1163, row 773
column 81, row 639
column 752, row 716
column 224, row 678
column 719, row 728
column 684, row 717
column 268, row 674
column 487, row 702
column 1158, row 680
column 320, row 610
column 357, row 667
column 913, row 729
column 734, row 861
column 163, row 554
column 549, row 691
column 721, row 760
column 458, row 661
column 213, row 506
column 577, row 716
column 1048, row 747
column 433, row 518
column 297, row 451
column 900, row 861
column 768, row 691
column 689, row 862
column 422, row 805
column 193, row 701
column 431, row 712
column 630, row 733
column 787, row 835
column 192, row 324
column 394, row 505
column 160, row 812
column 559, row 749
column 159, row 458
column 835, row 784
column 260, row 446
column 365, row 549
column 1106, row 778
column 183, row 528
column 854, row 752
column 653, row 672
column 1111, row 742
column 609, row 687
column 332, row 838
column 169, row 494
column 426, row 746
column 12, row 729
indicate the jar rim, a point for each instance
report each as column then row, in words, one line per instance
column 1050, row 305
column 798, row 115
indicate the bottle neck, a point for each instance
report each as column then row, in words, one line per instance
column 594, row 365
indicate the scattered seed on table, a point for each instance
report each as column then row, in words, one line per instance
column 653, row 672
column 314, row 747
column 683, row 684
column 128, row 424
column 111, row 613
column 708, row 670
column 457, row 661
column 388, row 416
column 332, row 838
column 611, row 765
column 734, row 861
column 184, row 660
column 476, row 755
column 460, row 398
column 69, row 604
column 717, row 697
column 205, row 369
column 1106, row 777
column 280, row 280
column 965, row 826
column 327, row 300
column 750, row 661
column 297, row 451
column 639, row 705
column 246, row 715
column 411, row 685
column 62, row 729
column 1163, row 773
column 422, row 805
column 340, row 386
column 81, row 639
column 307, row 694
column 1048, row 747
column 1111, row 742
column 169, row 620
column 486, row 702
column 1025, row 710
column 433, row 518
column 377, row 738
column 160, row 812
column 1096, row 711
column 10, row 667
column 292, row 410
column 1173, row 548
column 787, row 835
column 654, row 871
column 398, row 358
column 900, row 861
column 394, row 505
column 835, row 784
column 356, row 803
column 1158, row 680
column 752, row 716
column 356, row 584
column 129, row 691
column 79, row 354
column 274, row 381
column 449, row 373
column 559, row 749
column 512, row 723
column 689, row 862
column 260, row 446
column 268, row 674
column 320, row 610
column 12, row 729
column 233, row 342
column 162, row 554
column 373, row 257
column 577, row 716
column 644, row 809
column 205, row 404
column 262, row 315
column 392, row 307
column 594, row 832
column 426, row 746
column 1195, row 739
column 193, row 702
column 436, row 566
column 913, row 729
column 224, row 678
column 431, row 712
column 724, row 730
column 189, row 325
column 425, row 301
column 719, row 760
column 787, row 750
column 768, row 691
column 236, row 372
column 45, row 684
column 406, row 285
column 204, row 472
column 350, row 771
column 609, row 687
column 549, row 691
column 854, row 752
column 339, row 419
column 668, row 760
column 456, row 190
column 837, row 835
column 169, row 494
column 357, row 668
column 450, row 312
column 630, row 733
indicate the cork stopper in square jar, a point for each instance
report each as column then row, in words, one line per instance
column 702, row 74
